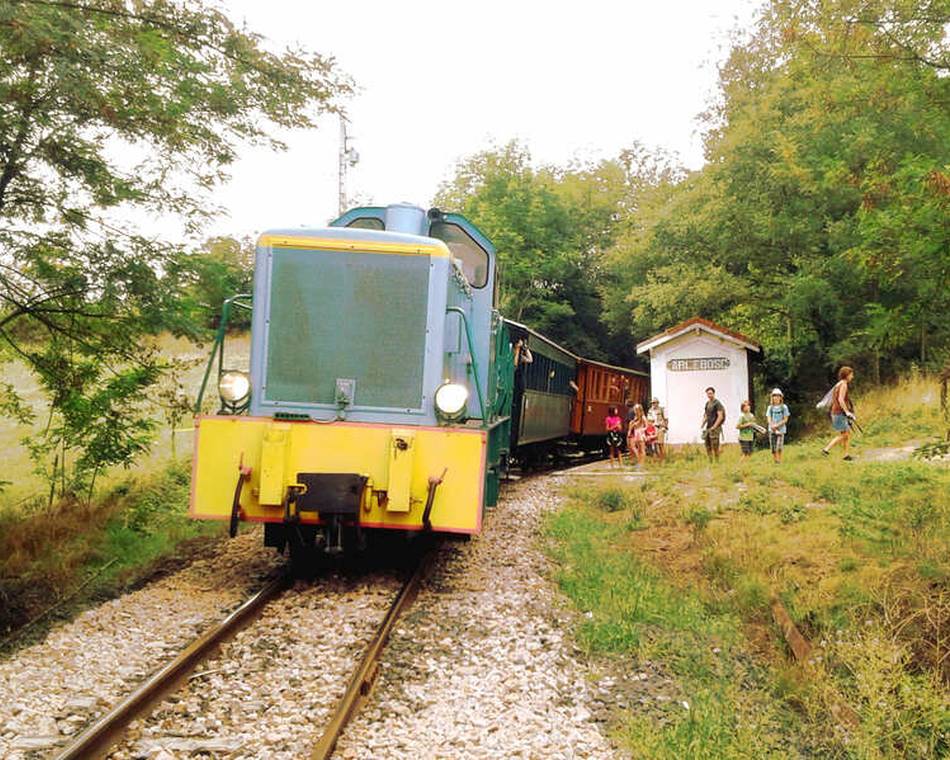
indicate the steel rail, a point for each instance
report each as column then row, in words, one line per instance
column 97, row 738
column 361, row 682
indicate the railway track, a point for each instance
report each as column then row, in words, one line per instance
column 108, row 732
column 110, row 727
column 105, row 733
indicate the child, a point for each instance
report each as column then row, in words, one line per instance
column 614, row 426
column 650, row 438
column 777, row 415
column 746, row 425
column 636, row 435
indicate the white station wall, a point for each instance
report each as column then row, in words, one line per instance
column 683, row 394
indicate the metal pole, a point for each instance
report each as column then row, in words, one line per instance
column 348, row 157
column 341, row 188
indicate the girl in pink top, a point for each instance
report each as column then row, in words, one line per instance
column 614, row 426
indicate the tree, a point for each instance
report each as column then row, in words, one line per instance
column 821, row 215
column 204, row 279
column 110, row 110
column 550, row 226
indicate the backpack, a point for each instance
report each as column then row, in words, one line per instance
column 825, row 404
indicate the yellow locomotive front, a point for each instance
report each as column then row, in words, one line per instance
column 365, row 404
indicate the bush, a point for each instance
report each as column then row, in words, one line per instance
column 616, row 499
column 698, row 517
column 612, row 500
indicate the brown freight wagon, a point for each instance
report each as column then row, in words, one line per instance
column 599, row 387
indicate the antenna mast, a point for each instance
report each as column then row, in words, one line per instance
column 348, row 159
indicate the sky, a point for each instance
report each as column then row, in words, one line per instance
column 439, row 81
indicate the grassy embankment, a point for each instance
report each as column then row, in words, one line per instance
column 134, row 521
column 682, row 569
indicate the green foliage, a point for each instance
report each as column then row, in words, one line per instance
column 857, row 552
column 108, row 111
column 718, row 704
column 204, row 279
column 96, row 420
column 550, row 226
column 45, row 553
column 697, row 516
column 819, row 223
column 616, row 498
column 792, row 513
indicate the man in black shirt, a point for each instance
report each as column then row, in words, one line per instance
column 713, row 417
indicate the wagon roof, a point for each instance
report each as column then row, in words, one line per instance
column 697, row 324
column 628, row 370
column 331, row 236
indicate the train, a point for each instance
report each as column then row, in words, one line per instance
column 385, row 390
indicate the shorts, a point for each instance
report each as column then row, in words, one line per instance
column 777, row 441
column 746, row 446
column 614, row 439
column 840, row 422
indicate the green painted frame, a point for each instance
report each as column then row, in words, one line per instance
column 241, row 301
column 471, row 352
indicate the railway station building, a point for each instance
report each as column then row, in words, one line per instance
column 690, row 357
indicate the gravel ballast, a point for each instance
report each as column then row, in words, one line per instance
column 275, row 685
column 482, row 666
column 50, row 691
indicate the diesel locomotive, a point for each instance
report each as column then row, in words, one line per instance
column 382, row 391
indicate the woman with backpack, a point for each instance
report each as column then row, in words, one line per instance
column 842, row 412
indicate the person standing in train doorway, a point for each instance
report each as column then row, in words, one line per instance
column 523, row 358
column 714, row 415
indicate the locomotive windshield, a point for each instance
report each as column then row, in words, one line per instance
column 367, row 223
column 463, row 246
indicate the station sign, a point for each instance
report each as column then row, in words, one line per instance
column 698, row 365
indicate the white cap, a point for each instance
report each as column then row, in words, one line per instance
column 778, row 392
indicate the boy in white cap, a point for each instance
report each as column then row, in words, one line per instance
column 777, row 415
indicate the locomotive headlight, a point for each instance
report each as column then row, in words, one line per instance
column 234, row 386
column 450, row 400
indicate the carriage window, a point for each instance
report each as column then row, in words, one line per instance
column 367, row 223
column 473, row 257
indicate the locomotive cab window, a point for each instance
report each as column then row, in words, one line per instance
column 367, row 223
column 463, row 246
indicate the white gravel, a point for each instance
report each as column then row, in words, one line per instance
column 272, row 688
column 482, row 666
column 50, row 691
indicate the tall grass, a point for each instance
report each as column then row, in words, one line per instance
column 904, row 413
column 721, row 706
column 858, row 552
column 45, row 553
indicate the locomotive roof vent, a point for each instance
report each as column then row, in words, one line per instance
column 406, row 217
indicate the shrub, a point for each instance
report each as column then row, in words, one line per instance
column 698, row 517
column 612, row 499
column 792, row 514
column 616, row 499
